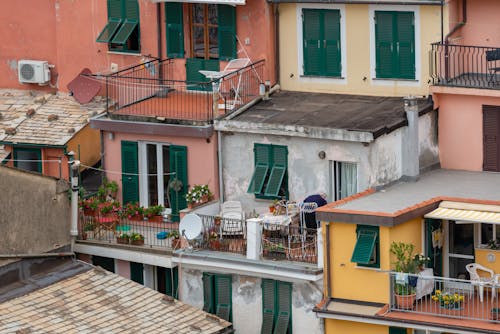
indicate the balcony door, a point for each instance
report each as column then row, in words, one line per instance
column 459, row 248
column 154, row 171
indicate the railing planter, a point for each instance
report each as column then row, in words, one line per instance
column 405, row 302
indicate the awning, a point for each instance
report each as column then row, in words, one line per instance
column 466, row 212
column 220, row 2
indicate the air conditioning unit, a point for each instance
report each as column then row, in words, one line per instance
column 33, row 71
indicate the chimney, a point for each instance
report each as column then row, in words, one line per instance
column 410, row 145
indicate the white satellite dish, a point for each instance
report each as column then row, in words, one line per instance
column 191, row 226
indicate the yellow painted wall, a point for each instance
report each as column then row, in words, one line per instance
column 366, row 284
column 357, row 54
column 344, row 327
column 90, row 145
column 481, row 258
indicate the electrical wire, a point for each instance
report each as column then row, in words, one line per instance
column 107, row 171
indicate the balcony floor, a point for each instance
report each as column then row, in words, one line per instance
column 474, row 314
column 473, row 80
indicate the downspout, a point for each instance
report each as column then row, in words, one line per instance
column 158, row 27
column 219, row 156
column 328, row 264
column 276, row 42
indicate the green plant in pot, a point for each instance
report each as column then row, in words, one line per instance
column 405, row 265
column 154, row 213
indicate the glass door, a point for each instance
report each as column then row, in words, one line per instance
column 154, row 170
column 460, row 248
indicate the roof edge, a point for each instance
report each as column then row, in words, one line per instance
column 364, row 2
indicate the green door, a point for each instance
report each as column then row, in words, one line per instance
column 178, row 165
column 130, row 171
column 435, row 253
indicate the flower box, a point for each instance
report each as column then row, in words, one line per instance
column 123, row 240
column 137, row 242
column 156, row 219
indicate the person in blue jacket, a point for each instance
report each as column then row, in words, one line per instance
column 310, row 218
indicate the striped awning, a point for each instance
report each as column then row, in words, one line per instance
column 466, row 212
column 219, row 2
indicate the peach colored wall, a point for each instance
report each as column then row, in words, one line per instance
column 482, row 24
column 64, row 33
column 122, row 268
column 461, row 130
column 202, row 157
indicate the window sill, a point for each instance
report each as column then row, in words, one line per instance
column 125, row 53
column 322, row 77
column 369, row 268
column 394, row 79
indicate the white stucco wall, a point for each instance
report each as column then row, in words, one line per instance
column 378, row 162
column 247, row 302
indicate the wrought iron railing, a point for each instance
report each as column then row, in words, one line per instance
column 465, row 66
column 223, row 234
column 444, row 297
column 291, row 243
column 150, row 90
column 112, row 229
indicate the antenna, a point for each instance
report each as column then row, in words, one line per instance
column 191, row 227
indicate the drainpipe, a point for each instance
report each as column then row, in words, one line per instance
column 158, row 27
column 219, row 155
column 328, row 263
column 75, row 165
column 276, row 42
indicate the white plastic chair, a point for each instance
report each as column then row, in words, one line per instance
column 232, row 218
column 479, row 281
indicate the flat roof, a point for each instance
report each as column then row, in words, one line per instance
column 406, row 200
column 376, row 115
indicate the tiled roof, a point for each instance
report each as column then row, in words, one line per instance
column 97, row 301
column 43, row 118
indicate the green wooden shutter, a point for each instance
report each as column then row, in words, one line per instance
column 268, row 306
column 397, row 330
column 284, row 307
column 137, row 272
column 208, row 292
column 193, row 75
column 226, row 31
column 115, row 9
column 179, row 165
column 130, row 20
column 262, row 160
column 491, row 138
column 223, row 298
column 405, row 45
column 312, row 39
column 331, row 22
column 171, row 281
column 365, row 245
column 384, row 44
column 114, row 21
column 277, row 176
column 174, row 29
column 130, row 170
column 131, row 11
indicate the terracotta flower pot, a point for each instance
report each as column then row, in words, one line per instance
column 176, row 243
column 405, row 302
column 122, row 240
column 137, row 242
column 137, row 218
column 89, row 212
column 156, row 219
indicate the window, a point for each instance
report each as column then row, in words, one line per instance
column 491, row 138
column 167, row 281
column 137, row 272
column 28, row 159
column 217, row 295
column 367, row 249
column 397, row 330
column 270, row 179
column 148, row 169
column 104, row 262
column 122, row 30
column 489, row 232
column 395, row 45
column 321, row 42
column 276, row 307
column 343, row 179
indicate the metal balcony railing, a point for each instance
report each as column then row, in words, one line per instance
column 465, row 66
column 291, row 243
column 149, row 90
column 444, row 297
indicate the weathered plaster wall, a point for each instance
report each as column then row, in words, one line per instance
column 247, row 302
column 378, row 163
column 35, row 212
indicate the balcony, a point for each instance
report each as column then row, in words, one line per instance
column 149, row 92
column 445, row 301
column 465, row 66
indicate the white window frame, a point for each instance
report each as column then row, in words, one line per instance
column 373, row 51
column 343, row 45
column 333, row 190
column 143, row 172
column 479, row 234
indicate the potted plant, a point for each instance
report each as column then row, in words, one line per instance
column 198, row 194
column 420, row 261
column 133, row 211
column 109, row 209
column 89, row 206
column 88, row 228
column 447, row 300
column 405, row 292
column 154, row 213
column 217, row 220
column 123, row 238
column 176, row 240
column 136, row 239
column 213, row 241
column 108, row 190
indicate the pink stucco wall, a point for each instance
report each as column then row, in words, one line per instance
column 202, row 157
column 482, row 24
column 461, row 130
column 122, row 268
column 64, row 33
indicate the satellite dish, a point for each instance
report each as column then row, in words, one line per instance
column 191, row 226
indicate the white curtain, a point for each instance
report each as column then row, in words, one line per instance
column 348, row 179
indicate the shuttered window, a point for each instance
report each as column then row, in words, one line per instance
column 28, row 159
column 366, row 251
column 137, row 272
column 321, row 42
column 217, row 295
column 227, row 32
column 276, row 307
column 174, row 29
column 491, row 136
column 167, row 280
column 269, row 179
column 130, row 170
column 397, row 330
column 122, row 29
column 395, row 45
column 179, row 166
